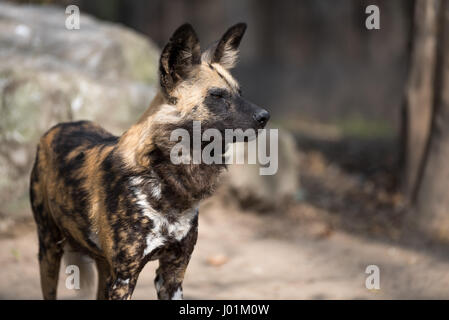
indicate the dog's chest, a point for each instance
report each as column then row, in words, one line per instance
column 165, row 230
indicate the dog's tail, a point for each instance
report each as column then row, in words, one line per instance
column 77, row 262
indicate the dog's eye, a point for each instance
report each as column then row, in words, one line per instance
column 217, row 94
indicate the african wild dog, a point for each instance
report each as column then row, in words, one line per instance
column 120, row 200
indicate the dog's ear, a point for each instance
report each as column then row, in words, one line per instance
column 225, row 52
column 180, row 57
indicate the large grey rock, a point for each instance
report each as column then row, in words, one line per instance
column 48, row 74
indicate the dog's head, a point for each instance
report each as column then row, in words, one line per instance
column 199, row 86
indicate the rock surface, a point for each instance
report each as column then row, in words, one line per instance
column 48, row 74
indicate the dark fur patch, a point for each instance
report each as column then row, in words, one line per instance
column 218, row 101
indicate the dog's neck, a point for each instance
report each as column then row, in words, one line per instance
column 145, row 149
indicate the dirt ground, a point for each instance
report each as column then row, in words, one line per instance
column 248, row 256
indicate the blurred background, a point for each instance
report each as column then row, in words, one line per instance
column 362, row 178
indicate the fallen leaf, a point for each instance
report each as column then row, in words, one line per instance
column 217, row 260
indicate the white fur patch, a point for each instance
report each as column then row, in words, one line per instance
column 177, row 230
column 159, row 283
column 153, row 242
column 121, row 281
column 177, row 295
column 156, row 191
column 155, row 188
column 135, row 181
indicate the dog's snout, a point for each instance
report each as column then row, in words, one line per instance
column 262, row 117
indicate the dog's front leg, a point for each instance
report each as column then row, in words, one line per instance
column 172, row 267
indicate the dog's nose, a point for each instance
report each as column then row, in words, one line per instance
column 262, row 117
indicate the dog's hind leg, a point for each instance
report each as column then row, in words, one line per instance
column 49, row 262
column 50, row 253
column 50, row 240
column 104, row 275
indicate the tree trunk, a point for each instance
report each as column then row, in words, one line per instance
column 432, row 201
column 417, row 110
